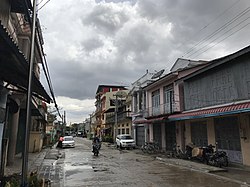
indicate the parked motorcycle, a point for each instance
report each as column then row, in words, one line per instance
column 215, row 158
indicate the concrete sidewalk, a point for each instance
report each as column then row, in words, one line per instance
column 237, row 173
column 35, row 161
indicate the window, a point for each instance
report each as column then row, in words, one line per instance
column 127, row 130
column 156, row 102
column 168, row 99
column 123, row 131
column 135, row 102
column 119, row 131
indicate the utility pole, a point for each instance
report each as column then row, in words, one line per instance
column 116, row 111
column 29, row 99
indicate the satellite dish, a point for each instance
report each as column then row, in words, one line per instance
column 121, row 94
column 158, row 74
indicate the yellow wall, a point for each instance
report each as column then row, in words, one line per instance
column 245, row 138
column 244, row 127
column 35, row 142
column 210, row 131
column 187, row 132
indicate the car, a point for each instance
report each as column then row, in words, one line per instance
column 125, row 141
column 73, row 134
column 68, row 141
column 79, row 133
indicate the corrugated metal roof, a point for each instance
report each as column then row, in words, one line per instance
column 218, row 111
column 14, row 67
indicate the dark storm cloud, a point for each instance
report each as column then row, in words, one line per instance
column 105, row 19
column 116, row 41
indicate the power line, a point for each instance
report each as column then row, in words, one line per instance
column 43, row 5
column 211, row 22
column 225, row 37
column 217, row 31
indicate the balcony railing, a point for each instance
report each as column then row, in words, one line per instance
column 120, row 117
column 163, row 109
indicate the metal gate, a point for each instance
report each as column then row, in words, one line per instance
column 140, row 135
column 170, row 135
column 228, row 137
column 157, row 133
column 199, row 133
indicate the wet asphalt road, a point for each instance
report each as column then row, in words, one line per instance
column 117, row 168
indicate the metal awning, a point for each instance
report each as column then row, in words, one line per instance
column 153, row 120
column 14, row 68
column 212, row 112
column 19, row 6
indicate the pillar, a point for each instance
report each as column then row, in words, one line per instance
column 13, row 135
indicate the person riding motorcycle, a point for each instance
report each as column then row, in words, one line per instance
column 96, row 141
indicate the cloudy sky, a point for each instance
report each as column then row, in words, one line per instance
column 93, row 42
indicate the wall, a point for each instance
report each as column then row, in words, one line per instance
column 163, row 136
column 210, row 131
column 245, row 138
column 227, row 83
column 4, row 12
column 35, row 142
column 187, row 133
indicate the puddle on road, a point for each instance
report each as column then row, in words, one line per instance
column 77, row 166
column 99, row 169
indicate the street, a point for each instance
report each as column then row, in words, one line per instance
column 114, row 168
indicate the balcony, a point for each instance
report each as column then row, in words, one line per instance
column 123, row 115
column 120, row 116
column 163, row 109
column 110, row 118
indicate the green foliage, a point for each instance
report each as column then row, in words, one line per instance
column 33, row 180
column 15, row 180
column 107, row 138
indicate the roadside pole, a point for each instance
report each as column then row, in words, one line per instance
column 116, row 111
column 29, row 100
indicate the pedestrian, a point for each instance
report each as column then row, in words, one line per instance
column 60, row 142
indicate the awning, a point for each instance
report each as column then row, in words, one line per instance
column 19, row 6
column 14, row 68
column 212, row 112
column 153, row 120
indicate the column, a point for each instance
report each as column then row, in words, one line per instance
column 13, row 135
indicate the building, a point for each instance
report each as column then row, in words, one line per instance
column 15, row 39
column 163, row 98
column 102, row 103
column 138, row 107
column 217, row 106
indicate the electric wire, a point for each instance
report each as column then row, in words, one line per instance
column 211, row 22
column 43, row 5
column 217, row 31
column 224, row 38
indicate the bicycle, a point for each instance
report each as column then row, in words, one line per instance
column 150, row 147
column 177, row 152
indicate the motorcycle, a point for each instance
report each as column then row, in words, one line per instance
column 96, row 148
column 215, row 158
